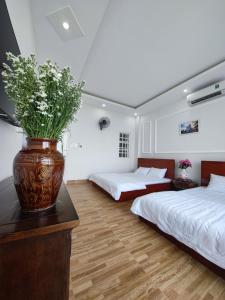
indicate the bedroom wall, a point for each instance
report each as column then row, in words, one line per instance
column 159, row 133
column 10, row 145
column 20, row 16
column 99, row 149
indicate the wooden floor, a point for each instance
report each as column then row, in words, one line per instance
column 115, row 256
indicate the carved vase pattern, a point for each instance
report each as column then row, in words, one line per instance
column 38, row 172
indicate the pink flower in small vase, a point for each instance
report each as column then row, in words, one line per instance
column 184, row 164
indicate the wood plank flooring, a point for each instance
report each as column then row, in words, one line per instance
column 115, row 256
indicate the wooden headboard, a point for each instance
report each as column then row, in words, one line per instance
column 211, row 167
column 159, row 163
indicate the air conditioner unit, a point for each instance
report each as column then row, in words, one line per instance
column 213, row 91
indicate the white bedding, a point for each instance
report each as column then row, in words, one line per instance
column 116, row 183
column 195, row 217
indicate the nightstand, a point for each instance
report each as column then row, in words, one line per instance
column 183, row 184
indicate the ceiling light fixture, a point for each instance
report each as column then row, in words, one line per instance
column 103, row 105
column 185, row 90
column 66, row 25
column 135, row 114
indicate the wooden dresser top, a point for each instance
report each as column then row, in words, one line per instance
column 15, row 224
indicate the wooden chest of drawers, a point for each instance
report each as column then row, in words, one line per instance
column 35, row 248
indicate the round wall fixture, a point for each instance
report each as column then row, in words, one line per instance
column 104, row 123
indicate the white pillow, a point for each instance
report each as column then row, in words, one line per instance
column 157, row 173
column 142, row 171
column 217, row 183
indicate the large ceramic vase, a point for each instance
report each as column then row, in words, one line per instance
column 38, row 172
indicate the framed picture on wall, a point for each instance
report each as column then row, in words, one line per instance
column 189, row 127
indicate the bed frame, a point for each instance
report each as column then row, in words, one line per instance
column 211, row 167
column 207, row 167
column 147, row 163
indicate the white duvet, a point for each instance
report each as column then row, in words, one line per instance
column 195, row 217
column 116, row 183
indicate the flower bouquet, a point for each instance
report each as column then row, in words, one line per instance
column 183, row 165
column 46, row 101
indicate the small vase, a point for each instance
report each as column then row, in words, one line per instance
column 38, row 172
column 184, row 174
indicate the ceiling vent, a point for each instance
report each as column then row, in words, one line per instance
column 65, row 23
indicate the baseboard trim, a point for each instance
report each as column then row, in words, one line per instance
column 80, row 181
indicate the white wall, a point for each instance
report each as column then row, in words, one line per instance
column 160, row 136
column 11, row 141
column 20, row 15
column 99, row 152
column 10, row 145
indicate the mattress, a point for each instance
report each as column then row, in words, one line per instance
column 116, row 183
column 195, row 217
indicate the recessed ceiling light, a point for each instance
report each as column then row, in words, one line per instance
column 66, row 25
column 103, row 105
column 135, row 114
column 185, row 90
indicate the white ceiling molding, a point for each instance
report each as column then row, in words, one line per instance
column 109, row 100
column 205, row 78
column 188, row 82
column 138, row 52
column 202, row 80
column 143, row 49
column 108, row 105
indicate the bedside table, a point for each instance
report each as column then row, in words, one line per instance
column 183, row 184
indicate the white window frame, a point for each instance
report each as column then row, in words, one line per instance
column 124, row 145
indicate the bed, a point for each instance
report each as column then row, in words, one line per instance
column 128, row 186
column 193, row 219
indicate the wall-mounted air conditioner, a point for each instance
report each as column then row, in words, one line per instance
column 210, row 93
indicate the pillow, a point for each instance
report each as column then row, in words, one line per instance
column 217, row 183
column 157, row 173
column 142, row 171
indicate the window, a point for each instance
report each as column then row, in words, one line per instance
column 124, row 145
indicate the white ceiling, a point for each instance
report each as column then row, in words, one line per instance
column 71, row 53
column 134, row 50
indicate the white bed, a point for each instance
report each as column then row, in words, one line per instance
column 195, row 217
column 116, row 183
